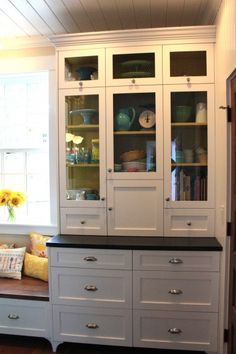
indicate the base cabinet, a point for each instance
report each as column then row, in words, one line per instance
column 141, row 298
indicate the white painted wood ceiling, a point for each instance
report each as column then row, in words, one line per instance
column 30, row 18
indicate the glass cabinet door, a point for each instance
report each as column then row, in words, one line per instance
column 135, row 133
column 188, row 63
column 190, row 180
column 84, row 68
column 82, row 145
column 134, row 66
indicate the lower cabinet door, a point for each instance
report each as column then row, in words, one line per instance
column 25, row 317
column 135, row 207
column 92, row 325
column 175, row 330
column 83, row 221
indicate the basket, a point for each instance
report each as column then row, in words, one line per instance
column 132, row 155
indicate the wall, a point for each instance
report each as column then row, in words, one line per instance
column 225, row 65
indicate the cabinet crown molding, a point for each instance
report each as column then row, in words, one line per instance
column 179, row 34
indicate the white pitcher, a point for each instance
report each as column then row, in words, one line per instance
column 201, row 112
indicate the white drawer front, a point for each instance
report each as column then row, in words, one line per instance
column 175, row 330
column 95, row 326
column 179, row 291
column 187, row 222
column 83, row 221
column 176, row 260
column 91, row 258
column 24, row 317
column 103, row 288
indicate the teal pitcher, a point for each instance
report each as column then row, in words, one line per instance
column 125, row 118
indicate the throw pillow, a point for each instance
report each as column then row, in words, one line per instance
column 36, row 267
column 38, row 244
column 11, row 262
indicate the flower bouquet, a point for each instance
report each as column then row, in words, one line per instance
column 11, row 199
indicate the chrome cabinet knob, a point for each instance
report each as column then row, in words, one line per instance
column 175, row 260
column 13, row 316
column 175, row 292
column 174, row 330
column 90, row 288
column 189, row 223
column 92, row 325
column 90, row 259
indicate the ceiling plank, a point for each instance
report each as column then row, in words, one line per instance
column 93, row 11
column 111, row 14
column 158, row 13
column 79, row 15
column 9, row 28
column 60, row 11
column 142, row 12
column 126, row 13
column 191, row 13
column 24, row 7
column 174, row 16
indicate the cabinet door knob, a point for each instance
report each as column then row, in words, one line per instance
column 82, row 222
column 80, row 83
column 133, row 81
column 90, row 288
column 13, row 316
column 167, row 199
column 103, row 198
column 175, row 291
column 189, row 223
column 175, row 260
column 90, row 259
column 110, row 209
column 109, row 170
column 92, row 325
column 188, row 79
column 174, row 330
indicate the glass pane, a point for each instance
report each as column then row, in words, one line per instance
column 82, row 147
column 81, row 68
column 188, row 63
column 133, row 65
column 135, row 132
column 189, row 146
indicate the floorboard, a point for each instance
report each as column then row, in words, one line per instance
column 31, row 345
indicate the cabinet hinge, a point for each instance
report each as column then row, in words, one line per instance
column 226, row 335
column 229, row 113
column 229, row 227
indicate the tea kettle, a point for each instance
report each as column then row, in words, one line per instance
column 125, row 118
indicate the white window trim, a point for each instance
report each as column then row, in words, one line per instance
column 27, row 65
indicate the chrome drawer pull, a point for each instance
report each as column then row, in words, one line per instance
column 90, row 259
column 92, row 325
column 175, row 261
column 174, row 330
column 13, row 316
column 90, row 288
column 175, row 291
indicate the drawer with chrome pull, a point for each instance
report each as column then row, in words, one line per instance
column 94, row 326
column 175, row 330
column 176, row 260
column 25, row 317
column 184, row 291
column 90, row 258
column 92, row 287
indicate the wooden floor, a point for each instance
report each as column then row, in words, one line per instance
column 30, row 345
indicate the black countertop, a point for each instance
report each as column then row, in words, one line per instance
column 133, row 242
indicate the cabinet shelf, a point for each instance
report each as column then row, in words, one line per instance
column 135, row 132
column 83, row 165
column 189, row 124
column 83, row 126
column 186, row 164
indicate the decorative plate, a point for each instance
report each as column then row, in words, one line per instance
column 147, row 119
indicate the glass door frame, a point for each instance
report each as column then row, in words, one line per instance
column 168, row 89
column 100, row 92
column 158, row 174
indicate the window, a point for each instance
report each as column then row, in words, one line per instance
column 24, row 144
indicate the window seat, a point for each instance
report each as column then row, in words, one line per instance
column 27, row 289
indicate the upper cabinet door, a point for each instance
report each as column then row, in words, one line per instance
column 189, row 146
column 81, row 68
column 82, row 147
column 188, row 64
column 134, row 132
column 134, row 65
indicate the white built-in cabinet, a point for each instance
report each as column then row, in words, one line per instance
column 156, row 299
column 142, row 118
